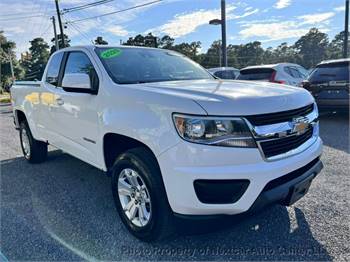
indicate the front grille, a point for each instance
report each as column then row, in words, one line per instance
column 285, row 116
column 282, row 145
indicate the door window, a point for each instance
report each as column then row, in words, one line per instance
column 295, row 73
column 78, row 62
column 53, row 69
column 292, row 71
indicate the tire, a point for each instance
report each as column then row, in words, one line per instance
column 33, row 150
column 141, row 163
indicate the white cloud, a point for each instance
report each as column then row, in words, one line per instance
column 276, row 29
column 248, row 13
column 183, row 24
column 282, row 4
column 24, row 30
column 273, row 31
column 339, row 8
column 316, row 18
column 21, row 31
column 186, row 23
column 117, row 30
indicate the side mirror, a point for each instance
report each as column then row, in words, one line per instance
column 305, row 84
column 77, row 82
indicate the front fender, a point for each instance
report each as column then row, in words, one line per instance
column 146, row 117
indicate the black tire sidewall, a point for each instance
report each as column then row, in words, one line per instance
column 24, row 126
column 38, row 149
column 129, row 160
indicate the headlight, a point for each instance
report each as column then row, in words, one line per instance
column 229, row 132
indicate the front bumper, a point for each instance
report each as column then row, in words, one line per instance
column 186, row 163
column 333, row 104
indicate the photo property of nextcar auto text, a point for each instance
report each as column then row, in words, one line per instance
column 174, row 130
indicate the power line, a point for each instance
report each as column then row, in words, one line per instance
column 22, row 17
column 115, row 12
column 44, row 32
column 80, row 32
column 76, row 8
column 22, row 13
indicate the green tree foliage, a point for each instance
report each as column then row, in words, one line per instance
column 100, row 41
column 60, row 43
column 308, row 51
column 248, row 54
column 166, row 42
column 149, row 40
column 6, row 53
column 39, row 55
column 312, row 47
column 213, row 56
column 188, row 49
column 337, row 45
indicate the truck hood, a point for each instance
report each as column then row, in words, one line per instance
column 236, row 98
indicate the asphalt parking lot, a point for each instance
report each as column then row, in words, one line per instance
column 63, row 210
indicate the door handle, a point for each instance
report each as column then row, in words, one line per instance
column 59, row 101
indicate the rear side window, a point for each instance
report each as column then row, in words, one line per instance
column 225, row 74
column 330, row 72
column 53, row 69
column 256, row 74
column 293, row 72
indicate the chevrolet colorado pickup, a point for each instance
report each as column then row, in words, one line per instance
column 176, row 141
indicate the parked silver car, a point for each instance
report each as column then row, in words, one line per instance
column 282, row 73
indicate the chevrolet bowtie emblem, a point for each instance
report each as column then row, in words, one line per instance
column 300, row 125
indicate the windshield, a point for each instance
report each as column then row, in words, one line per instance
column 330, row 72
column 141, row 65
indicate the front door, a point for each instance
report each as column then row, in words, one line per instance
column 76, row 118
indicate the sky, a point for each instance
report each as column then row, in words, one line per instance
column 268, row 21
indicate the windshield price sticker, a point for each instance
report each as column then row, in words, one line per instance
column 111, row 53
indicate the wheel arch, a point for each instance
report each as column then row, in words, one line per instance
column 115, row 144
column 19, row 117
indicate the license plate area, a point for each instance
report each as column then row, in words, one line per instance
column 299, row 190
column 333, row 94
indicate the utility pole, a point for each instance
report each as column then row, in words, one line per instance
column 60, row 23
column 223, row 32
column 11, row 67
column 346, row 32
column 222, row 22
column 55, row 32
column 0, row 69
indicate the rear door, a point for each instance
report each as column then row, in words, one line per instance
column 48, row 103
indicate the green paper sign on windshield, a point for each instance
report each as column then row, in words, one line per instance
column 110, row 53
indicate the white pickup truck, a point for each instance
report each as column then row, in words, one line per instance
column 176, row 141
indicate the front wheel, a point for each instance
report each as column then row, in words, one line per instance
column 33, row 150
column 139, row 195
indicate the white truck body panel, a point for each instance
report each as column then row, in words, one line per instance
column 78, row 122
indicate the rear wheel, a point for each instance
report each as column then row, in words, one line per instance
column 33, row 150
column 140, row 197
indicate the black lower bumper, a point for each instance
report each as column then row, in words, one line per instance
column 331, row 105
column 284, row 190
column 287, row 193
